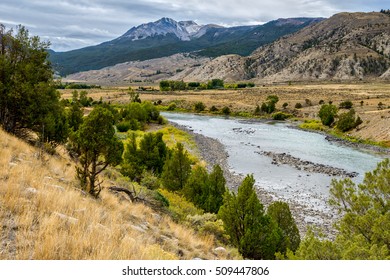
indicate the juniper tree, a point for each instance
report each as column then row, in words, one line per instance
column 97, row 146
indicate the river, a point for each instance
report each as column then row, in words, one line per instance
column 250, row 143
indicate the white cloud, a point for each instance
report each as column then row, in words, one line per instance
column 72, row 24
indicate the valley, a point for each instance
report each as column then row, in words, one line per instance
column 374, row 110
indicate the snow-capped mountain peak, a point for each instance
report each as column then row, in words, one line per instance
column 182, row 30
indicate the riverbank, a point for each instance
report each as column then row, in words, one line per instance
column 213, row 152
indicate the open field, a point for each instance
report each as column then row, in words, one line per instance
column 376, row 120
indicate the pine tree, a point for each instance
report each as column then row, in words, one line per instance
column 280, row 212
column 250, row 229
column 177, row 169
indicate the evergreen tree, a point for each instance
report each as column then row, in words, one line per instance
column 97, row 147
column 216, row 190
column 206, row 190
column 177, row 169
column 196, row 185
column 250, row 229
column 280, row 213
column 28, row 97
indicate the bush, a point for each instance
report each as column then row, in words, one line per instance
column 213, row 109
column 327, row 114
column 285, row 105
column 347, row 121
column 199, row 106
column 346, row 104
column 298, row 105
column 149, row 180
column 193, row 84
column 215, row 83
column 209, row 224
column 123, row 126
column 226, row 110
column 280, row 116
column 172, row 107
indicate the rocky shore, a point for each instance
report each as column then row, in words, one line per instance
column 213, row 152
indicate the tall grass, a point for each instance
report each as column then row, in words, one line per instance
column 44, row 216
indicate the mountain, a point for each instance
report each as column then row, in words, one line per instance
column 167, row 37
column 182, row 30
column 347, row 46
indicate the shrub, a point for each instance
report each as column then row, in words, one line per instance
column 346, row 104
column 285, row 105
column 327, row 114
column 123, row 126
column 298, row 105
column 281, row 116
column 215, row 83
column 213, row 109
column 347, row 121
column 199, row 106
column 172, row 107
column 150, row 180
column 226, row 110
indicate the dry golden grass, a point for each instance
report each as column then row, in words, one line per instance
column 44, row 216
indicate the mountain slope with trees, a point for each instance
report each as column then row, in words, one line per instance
column 167, row 37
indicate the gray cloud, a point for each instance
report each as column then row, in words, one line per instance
column 71, row 24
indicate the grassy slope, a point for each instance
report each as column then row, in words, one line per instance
column 44, row 216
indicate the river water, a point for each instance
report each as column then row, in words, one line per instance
column 244, row 139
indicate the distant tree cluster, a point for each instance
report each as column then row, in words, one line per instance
column 75, row 86
column 180, row 85
column 269, row 106
column 387, row 12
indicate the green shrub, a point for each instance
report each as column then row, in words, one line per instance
column 226, row 110
column 298, row 105
column 281, row 116
column 346, row 104
column 209, row 223
column 213, row 109
column 123, row 126
column 327, row 114
column 199, row 106
column 172, row 107
column 347, row 121
column 150, row 180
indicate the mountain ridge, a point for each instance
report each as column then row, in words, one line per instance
column 167, row 37
column 347, row 46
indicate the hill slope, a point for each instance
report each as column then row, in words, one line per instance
column 43, row 216
column 346, row 46
column 166, row 37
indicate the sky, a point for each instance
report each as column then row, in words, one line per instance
column 73, row 24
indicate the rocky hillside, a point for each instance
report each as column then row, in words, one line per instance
column 133, row 71
column 347, row 46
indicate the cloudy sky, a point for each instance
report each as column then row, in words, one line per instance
column 72, row 24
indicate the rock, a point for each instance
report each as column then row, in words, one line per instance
column 66, row 218
column 31, row 191
column 137, row 228
column 220, row 250
column 59, row 188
